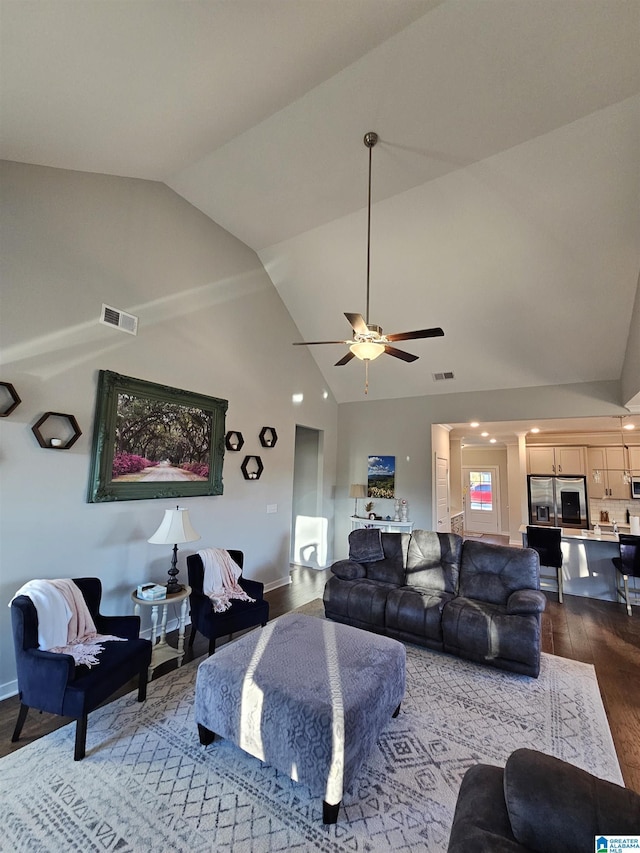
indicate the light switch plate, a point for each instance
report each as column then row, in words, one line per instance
column 272, row 508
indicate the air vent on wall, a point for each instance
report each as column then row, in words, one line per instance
column 439, row 377
column 120, row 319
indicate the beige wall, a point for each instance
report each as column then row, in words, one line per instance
column 210, row 322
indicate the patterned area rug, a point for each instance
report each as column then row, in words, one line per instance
column 146, row 783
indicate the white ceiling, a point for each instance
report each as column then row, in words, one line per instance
column 505, row 185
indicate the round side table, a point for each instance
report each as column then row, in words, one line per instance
column 162, row 651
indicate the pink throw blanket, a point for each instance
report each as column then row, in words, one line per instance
column 221, row 575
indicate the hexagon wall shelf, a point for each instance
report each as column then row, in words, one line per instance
column 256, row 466
column 11, row 398
column 56, row 443
column 233, row 440
column 268, row 437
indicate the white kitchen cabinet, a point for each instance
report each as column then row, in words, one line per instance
column 567, row 461
column 634, row 460
column 610, row 462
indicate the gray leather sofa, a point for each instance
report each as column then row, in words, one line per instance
column 540, row 804
column 474, row 600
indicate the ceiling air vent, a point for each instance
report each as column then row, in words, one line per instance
column 120, row 319
column 440, row 377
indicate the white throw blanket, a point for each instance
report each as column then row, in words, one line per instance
column 65, row 625
column 221, row 575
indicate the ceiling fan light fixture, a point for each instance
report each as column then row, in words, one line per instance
column 366, row 350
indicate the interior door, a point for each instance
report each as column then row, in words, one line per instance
column 442, row 495
column 309, row 528
column 481, row 499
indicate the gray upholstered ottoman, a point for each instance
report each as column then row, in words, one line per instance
column 305, row 695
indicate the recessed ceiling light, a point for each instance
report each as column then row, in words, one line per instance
column 535, row 429
column 492, row 440
column 484, row 434
column 474, row 424
column 629, row 426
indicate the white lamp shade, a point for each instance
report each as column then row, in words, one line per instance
column 357, row 490
column 174, row 528
column 366, row 350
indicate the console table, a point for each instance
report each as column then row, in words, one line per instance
column 162, row 651
column 383, row 524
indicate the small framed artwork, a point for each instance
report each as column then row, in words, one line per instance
column 381, row 477
column 153, row 441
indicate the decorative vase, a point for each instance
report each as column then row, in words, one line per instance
column 396, row 510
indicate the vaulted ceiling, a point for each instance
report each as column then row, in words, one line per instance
column 506, row 202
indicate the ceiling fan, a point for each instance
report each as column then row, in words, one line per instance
column 368, row 341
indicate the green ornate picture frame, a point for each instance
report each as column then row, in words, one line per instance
column 153, row 441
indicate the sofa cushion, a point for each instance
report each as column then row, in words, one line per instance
column 358, row 602
column 567, row 815
column 481, row 822
column 348, row 570
column 484, row 632
column 492, row 572
column 416, row 614
column 433, row 560
column 391, row 568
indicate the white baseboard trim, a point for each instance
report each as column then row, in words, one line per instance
column 268, row 587
column 8, row 689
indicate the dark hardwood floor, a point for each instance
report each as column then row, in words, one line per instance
column 584, row 629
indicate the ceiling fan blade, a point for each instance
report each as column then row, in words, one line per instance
column 315, row 343
column 344, row 360
column 357, row 323
column 399, row 353
column 420, row 333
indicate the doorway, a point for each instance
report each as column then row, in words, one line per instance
column 482, row 499
column 442, row 495
column 309, row 529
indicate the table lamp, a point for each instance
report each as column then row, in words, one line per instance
column 175, row 528
column 356, row 491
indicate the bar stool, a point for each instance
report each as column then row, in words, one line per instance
column 547, row 542
column 628, row 564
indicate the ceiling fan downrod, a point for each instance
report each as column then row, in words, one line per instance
column 370, row 140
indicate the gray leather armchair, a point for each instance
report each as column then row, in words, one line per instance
column 539, row 804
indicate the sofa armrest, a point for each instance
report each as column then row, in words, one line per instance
column 43, row 678
column 525, row 601
column 554, row 806
column 348, row 570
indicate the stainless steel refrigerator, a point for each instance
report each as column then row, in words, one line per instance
column 558, row 501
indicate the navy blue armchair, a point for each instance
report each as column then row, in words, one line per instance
column 241, row 614
column 52, row 682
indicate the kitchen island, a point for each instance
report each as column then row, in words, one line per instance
column 587, row 569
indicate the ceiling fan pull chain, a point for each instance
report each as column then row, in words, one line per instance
column 366, row 376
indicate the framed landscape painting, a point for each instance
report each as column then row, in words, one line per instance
column 153, row 441
column 381, row 477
